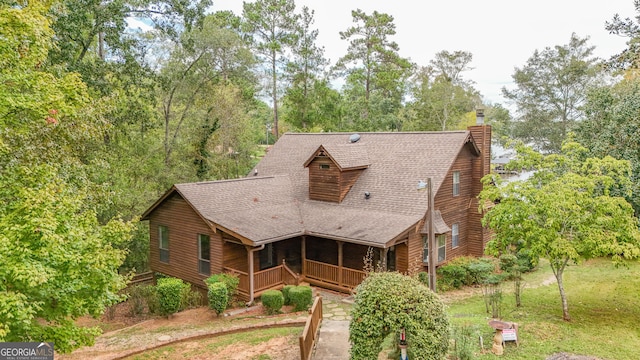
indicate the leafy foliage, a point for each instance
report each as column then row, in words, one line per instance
column 170, row 292
column 386, row 302
column 550, row 92
column 218, row 297
column 272, row 26
column 230, row 281
column 272, row 300
column 57, row 261
column 285, row 293
column 611, row 127
column 375, row 73
column 571, row 209
column 441, row 96
column 301, row 297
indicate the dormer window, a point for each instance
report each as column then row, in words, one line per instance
column 334, row 169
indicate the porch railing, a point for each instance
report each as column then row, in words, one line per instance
column 351, row 277
column 341, row 276
column 243, row 286
column 310, row 332
column 288, row 276
column 265, row 279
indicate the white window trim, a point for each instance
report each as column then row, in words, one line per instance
column 425, row 249
column 456, row 183
column 443, row 247
column 455, row 235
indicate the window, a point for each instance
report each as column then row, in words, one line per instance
column 324, row 166
column 163, row 239
column 204, row 255
column 442, row 249
column 455, row 237
column 456, row 183
column 425, row 249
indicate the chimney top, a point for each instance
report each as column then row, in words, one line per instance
column 479, row 116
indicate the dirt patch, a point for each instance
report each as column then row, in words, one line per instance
column 148, row 332
column 283, row 348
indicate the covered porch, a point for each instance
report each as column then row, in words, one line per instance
column 327, row 263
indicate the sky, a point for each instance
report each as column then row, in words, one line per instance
column 501, row 34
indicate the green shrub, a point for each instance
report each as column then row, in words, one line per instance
column 170, row 294
column 527, row 259
column 231, row 282
column 453, row 276
column 136, row 300
column 272, row 300
column 388, row 301
column 285, row 293
column 301, row 297
column 217, row 295
column 190, row 299
column 480, row 270
column 150, row 294
column 423, row 277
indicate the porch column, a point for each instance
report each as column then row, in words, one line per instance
column 340, row 243
column 250, row 272
column 250, row 252
column 303, row 255
column 383, row 258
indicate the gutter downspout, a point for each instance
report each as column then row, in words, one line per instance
column 250, row 253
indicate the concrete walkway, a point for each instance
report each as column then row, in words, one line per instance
column 333, row 340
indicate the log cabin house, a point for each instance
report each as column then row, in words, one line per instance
column 316, row 203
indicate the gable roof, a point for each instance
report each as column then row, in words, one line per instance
column 346, row 156
column 276, row 204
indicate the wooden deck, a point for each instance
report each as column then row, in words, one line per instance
column 332, row 276
column 317, row 273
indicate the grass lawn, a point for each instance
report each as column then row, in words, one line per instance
column 604, row 305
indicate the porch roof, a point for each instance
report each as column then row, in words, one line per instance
column 260, row 209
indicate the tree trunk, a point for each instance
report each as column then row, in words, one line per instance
column 275, row 94
column 565, row 306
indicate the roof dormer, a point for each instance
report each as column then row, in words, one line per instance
column 334, row 169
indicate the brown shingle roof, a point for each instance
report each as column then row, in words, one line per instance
column 276, row 204
column 261, row 209
column 346, row 156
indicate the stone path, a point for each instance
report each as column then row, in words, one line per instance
column 333, row 340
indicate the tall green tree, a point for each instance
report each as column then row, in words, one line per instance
column 57, row 262
column 215, row 55
column 441, row 97
column 305, row 73
column 271, row 24
column 573, row 208
column 375, row 72
column 629, row 58
column 551, row 89
column 611, row 127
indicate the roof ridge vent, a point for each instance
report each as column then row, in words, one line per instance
column 354, row 138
